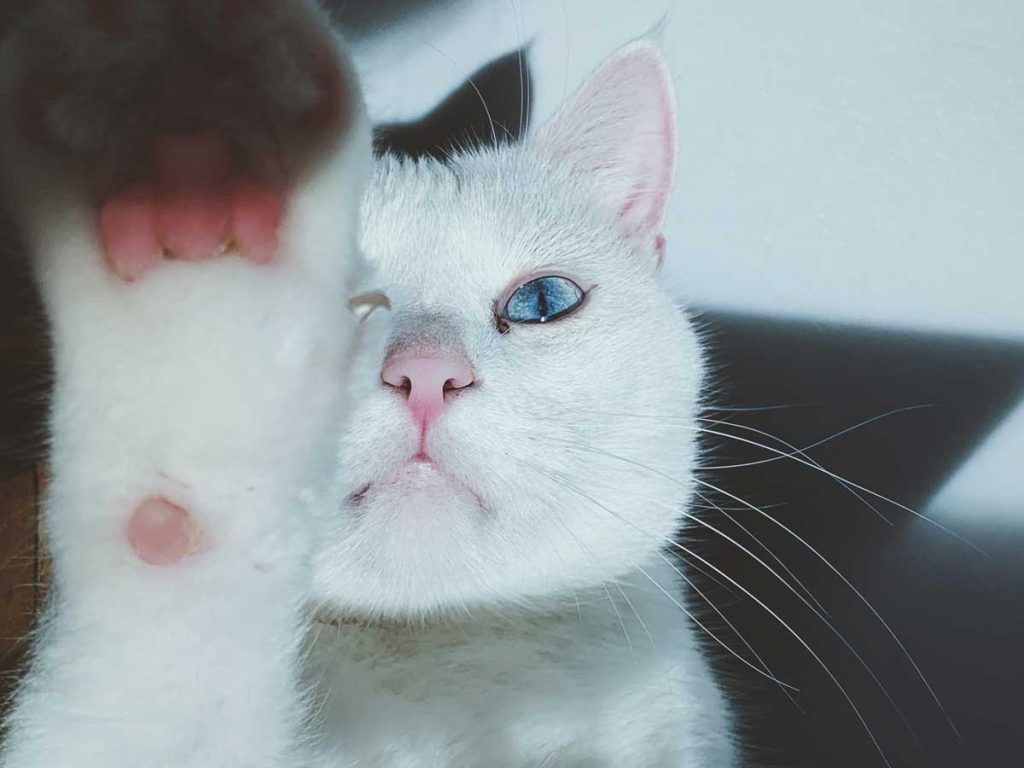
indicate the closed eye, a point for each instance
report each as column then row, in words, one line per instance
column 543, row 300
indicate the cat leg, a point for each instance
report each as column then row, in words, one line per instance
column 186, row 174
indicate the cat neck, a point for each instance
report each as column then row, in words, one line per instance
column 626, row 593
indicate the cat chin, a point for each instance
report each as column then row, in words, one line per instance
column 416, row 489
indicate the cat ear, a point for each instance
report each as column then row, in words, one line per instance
column 619, row 130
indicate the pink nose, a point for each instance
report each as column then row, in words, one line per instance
column 426, row 381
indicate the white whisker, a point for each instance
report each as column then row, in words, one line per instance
column 483, row 101
column 622, row 624
column 846, row 481
column 903, row 649
column 640, row 621
column 828, row 671
column 689, row 582
column 867, row 603
column 795, row 452
column 688, row 613
column 764, row 547
column 801, row 451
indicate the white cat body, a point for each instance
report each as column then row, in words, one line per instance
column 497, row 588
column 605, row 678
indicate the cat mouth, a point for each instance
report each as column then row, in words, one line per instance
column 420, row 473
column 358, row 497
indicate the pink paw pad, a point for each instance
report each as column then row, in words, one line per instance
column 199, row 207
column 161, row 533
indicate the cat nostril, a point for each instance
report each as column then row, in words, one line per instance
column 455, row 385
column 401, row 384
column 427, row 378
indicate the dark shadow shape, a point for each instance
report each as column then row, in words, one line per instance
column 920, row 578
column 491, row 107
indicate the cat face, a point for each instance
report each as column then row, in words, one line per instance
column 523, row 419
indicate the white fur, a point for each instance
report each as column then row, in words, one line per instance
column 216, row 385
column 516, row 607
column 580, row 681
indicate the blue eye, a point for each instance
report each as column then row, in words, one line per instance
column 543, row 299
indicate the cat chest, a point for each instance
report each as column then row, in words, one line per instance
column 505, row 702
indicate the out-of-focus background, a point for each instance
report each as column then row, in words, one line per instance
column 847, row 225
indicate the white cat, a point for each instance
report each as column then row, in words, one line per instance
column 496, row 590
column 489, row 580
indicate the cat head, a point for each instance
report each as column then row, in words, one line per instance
column 523, row 419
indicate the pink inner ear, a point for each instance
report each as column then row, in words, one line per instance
column 620, row 130
column 644, row 211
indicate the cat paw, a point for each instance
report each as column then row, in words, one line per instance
column 196, row 207
column 187, row 176
column 185, row 124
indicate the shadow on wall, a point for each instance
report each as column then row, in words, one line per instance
column 923, row 403
column 493, row 106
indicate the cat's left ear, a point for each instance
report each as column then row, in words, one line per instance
column 619, row 131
